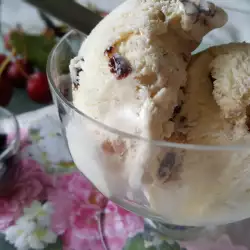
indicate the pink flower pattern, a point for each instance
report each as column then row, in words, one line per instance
column 80, row 205
column 30, row 184
column 83, row 217
column 24, row 142
column 119, row 225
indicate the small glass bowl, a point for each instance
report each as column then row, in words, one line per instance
column 9, row 145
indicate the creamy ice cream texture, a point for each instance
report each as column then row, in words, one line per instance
column 134, row 73
column 135, row 63
column 213, row 185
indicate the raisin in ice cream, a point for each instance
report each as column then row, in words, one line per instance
column 134, row 73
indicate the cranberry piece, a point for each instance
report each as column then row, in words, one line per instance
column 119, row 66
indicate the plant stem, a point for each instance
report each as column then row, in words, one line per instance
column 22, row 71
column 4, row 64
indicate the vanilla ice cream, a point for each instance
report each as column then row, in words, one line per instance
column 133, row 73
column 212, row 185
column 131, row 68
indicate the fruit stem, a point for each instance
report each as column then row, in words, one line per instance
column 4, row 64
column 13, row 52
column 22, row 71
column 25, row 54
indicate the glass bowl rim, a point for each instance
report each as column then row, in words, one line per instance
column 158, row 143
column 16, row 140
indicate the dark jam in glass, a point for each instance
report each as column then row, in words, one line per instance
column 8, row 169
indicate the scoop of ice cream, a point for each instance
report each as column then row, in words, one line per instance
column 212, row 185
column 232, row 81
column 131, row 74
column 217, row 95
column 131, row 67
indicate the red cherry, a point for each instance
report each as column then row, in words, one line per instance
column 6, row 90
column 18, row 73
column 38, row 88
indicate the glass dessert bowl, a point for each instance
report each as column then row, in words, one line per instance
column 172, row 199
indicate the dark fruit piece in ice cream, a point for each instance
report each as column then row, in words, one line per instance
column 38, row 88
column 18, row 72
column 119, row 66
column 166, row 166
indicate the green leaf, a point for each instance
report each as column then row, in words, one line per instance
column 137, row 243
column 67, row 164
column 167, row 246
column 35, row 134
column 35, row 48
column 56, row 246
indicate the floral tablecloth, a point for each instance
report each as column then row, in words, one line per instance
column 55, row 207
